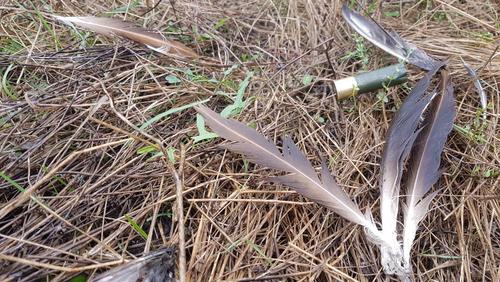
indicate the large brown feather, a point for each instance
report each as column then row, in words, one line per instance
column 152, row 39
column 399, row 140
column 390, row 42
column 302, row 177
column 425, row 161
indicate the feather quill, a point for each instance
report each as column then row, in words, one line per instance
column 152, row 39
column 301, row 175
column 425, row 161
column 390, row 42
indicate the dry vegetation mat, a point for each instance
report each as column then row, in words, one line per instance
column 103, row 158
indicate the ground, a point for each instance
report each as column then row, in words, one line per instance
column 79, row 129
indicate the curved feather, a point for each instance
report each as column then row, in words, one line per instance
column 152, row 39
column 390, row 42
column 400, row 137
column 302, row 176
column 155, row 266
column 479, row 87
column 425, row 161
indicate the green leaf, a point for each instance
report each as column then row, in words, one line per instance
column 79, row 278
column 146, row 150
column 320, row 119
column 220, row 23
column 382, row 97
column 170, row 154
column 239, row 104
column 171, row 111
column 229, row 111
column 491, row 173
column 203, row 134
column 172, row 79
column 136, row 227
column 307, row 79
column 12, row 182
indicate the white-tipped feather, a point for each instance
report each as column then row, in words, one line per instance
column 399, row 141
column 301, row 175
column 479, row 87
column 390, row 42
column 152, row 39
column 424, row 162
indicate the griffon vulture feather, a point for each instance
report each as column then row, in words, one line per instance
column 425, row 161
column 152, row 39
column 301, row 175
column 390, row 42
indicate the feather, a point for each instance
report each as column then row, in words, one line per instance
column 301, row 175
column 152, row 39
column 400, row 137
column 390, row 42
column 155, row 266
column 479, row 87
column 425, row 161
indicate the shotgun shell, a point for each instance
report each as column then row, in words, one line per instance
column 369, row 81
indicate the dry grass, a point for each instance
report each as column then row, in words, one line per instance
column 70, row 112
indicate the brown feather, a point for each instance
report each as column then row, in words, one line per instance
column 152, row 39
column 425, row 160
column 399, row 140
column 390, row 42
column 302, row 177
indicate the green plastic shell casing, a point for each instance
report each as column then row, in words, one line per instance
column 384, row 77
column 372, row 80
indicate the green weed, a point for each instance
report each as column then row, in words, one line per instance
column 361, row 52
column 6, row 86
column 170, row 112
column 136, row 227
column 229, row 111
column 10, row 46
column 307, row 79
